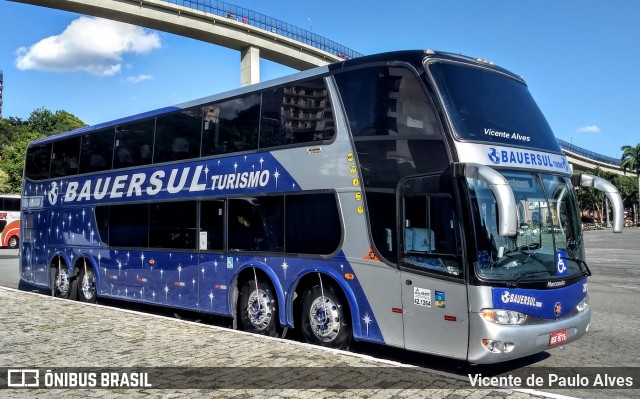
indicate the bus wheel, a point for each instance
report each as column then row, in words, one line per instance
column 87, row 288
column 324, row 321
column 13, row 242
column 257, row 309
column 61, row 282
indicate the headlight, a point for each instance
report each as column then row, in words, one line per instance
column 502, row 316
column 583, row 305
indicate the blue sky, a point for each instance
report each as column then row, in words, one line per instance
column 579, row 58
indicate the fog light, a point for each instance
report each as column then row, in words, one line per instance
column 507, row 347
column 491, row 345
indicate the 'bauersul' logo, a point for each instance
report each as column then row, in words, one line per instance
column 493, row 155
column 52, row 195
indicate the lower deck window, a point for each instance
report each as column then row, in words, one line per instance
column 296, row 224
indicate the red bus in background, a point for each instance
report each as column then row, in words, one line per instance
column 9, row 220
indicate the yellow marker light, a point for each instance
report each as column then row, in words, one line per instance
column 152, row 262
column 488, row 316
column 349, row 276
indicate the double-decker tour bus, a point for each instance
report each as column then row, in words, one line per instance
column 415, row 199
column 9, row 220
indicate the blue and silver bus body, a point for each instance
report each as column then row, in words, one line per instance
column 387, row 304
column 205, row 281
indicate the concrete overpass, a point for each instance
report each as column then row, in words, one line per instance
column 253, row 34
column 584, row 160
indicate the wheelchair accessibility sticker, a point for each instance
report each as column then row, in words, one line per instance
column 561, row 267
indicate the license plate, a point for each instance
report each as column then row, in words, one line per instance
column 558, row 337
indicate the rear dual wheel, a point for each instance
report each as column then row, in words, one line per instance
column 61, row 286
column 257, row 309
column 324, row 319
column 87, row 285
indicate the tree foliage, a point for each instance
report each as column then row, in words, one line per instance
column 15, row 135
column 47, row 123
column 630, row 160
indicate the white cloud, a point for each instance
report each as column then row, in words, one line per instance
column 92, row 45
column 589, row 129
column 137, row 79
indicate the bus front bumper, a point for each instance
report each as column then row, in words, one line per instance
column 504, row 342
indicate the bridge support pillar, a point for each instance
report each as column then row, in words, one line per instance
column 249, row 66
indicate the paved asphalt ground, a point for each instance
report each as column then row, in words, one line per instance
column 37, row 331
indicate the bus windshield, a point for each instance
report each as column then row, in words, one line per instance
column 489, row 106
column 548, row 244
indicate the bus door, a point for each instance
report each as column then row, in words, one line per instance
column 212, row 262
column 434, row 293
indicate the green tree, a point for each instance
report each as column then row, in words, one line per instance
column 46, row 122
column 12, row 162
column 4, row 182
column 630, row 160
column 15, row 135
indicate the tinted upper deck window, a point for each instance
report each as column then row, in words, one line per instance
column 178, row 135
column 297, row 113
column 38, row 161
column 64, row 157
column 386, row 101
column 231, row 125
column 96, row 152
column 134, row 144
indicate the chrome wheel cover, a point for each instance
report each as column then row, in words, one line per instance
column 259, row 309
column 62, row 282
column 324, row 320
column 88, row 286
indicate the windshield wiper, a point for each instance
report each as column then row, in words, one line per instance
column 529, row 247
column 514, row 284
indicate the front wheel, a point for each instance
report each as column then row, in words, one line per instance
column 87, row 285
column 257, row 310
column 324, row 319
column 13, row 242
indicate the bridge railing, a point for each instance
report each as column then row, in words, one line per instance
column 588, row 154
column 267, row 23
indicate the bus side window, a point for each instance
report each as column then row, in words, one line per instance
column 130, row 138
column 299, row 113
column 177, row 136
column 96, row 152
column 231, row 126
column 212, row 223
column 38, row 161
column 173, row 225
column 256, row 224
column 64, row 157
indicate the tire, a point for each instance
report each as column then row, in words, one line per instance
column 325, row 326
column 86, row 284
column 13, row 242
column 61, row 284
column 257, row 309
